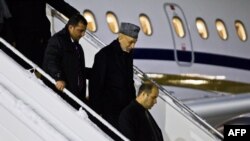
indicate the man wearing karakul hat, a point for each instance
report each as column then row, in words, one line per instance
column 111, row 86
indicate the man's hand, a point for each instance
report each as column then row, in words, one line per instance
column 60, row 85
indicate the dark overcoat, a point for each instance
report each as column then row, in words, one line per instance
column 135, row 125
column 112, row 85
column 62, row 62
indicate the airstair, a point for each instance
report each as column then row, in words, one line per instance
column 32, row 111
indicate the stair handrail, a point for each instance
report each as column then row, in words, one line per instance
column 66, row 91
column 140, row 73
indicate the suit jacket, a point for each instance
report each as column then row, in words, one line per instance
column 62, row 62
column 135, row 125
column 111, row 85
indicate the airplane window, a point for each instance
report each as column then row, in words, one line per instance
column 240, row 30
column 202, row 28
column 178, row 26
column 91, row 20
column 221, row 29
column 145, row 24
column 112, row 22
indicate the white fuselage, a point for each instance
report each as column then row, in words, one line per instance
column 157, row 53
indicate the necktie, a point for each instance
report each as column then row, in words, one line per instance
column 79, row 71
column 77, row 48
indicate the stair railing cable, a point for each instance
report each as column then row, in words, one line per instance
column 66, row 91
column 91, row 37
column 185, row 108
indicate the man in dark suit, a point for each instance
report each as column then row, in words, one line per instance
column 64, row 59
column 112, row 85
column 31, row 27
column 135, row 121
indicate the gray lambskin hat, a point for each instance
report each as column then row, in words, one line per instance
column 130, row 30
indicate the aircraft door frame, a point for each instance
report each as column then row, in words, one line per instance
column 183, row 48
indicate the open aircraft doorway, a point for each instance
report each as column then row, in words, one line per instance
column 183, row 49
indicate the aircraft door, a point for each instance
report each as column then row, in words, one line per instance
column 183, row 49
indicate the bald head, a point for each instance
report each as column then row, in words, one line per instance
column 147, row 95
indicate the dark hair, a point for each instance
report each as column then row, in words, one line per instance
column 146, row 87
column 75, row 19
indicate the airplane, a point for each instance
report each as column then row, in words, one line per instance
column 203, row 39
column 31, row 110
column 176, row 120
column 197, row 50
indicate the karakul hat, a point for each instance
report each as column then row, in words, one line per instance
column 130, row 30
